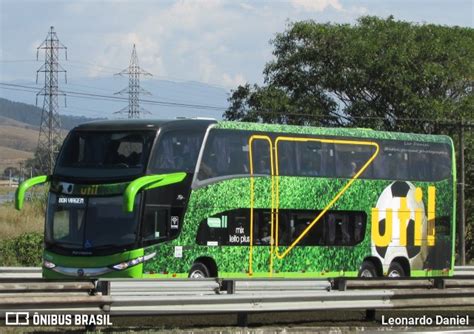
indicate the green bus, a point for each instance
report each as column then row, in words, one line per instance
column 203, row 198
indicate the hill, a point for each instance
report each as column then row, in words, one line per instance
column 31, row 115
column 176, row 98
column 19, row 126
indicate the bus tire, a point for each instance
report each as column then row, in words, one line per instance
column 395, row 270
column 199, row 270
column 367, row 270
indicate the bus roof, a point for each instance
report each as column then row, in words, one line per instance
column 142, row 124
column 326, row 131
column 168, row 124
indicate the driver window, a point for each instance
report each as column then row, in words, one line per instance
column 155, row 224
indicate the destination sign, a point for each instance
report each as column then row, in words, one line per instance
column 70, row 200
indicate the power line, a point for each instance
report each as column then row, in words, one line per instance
column 17, row 61
column 467, row 122
column 89, row 64
column 118, row 98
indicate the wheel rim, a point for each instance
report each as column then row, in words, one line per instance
column 366, row 273
column 394, row 273
column 197, row 274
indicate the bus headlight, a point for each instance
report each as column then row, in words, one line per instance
column 49, row 265
column 134, row 262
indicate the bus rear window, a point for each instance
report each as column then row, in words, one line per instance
column 105, row 154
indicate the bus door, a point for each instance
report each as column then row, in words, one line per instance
column 262, row 204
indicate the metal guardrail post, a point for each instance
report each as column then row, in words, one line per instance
column 339, row 284
column 439, row 283
column 242, row 319
column 228, row 286
column 370, row 315
column 103, row 287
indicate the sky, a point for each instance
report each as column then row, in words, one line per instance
column 222, row 43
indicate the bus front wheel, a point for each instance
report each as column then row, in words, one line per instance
column 199, row 270
column 367, row 270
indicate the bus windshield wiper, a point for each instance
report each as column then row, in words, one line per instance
column 58, row 243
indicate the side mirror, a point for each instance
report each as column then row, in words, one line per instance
column 25, row 185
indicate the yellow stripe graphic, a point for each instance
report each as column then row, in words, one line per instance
column 275, row 193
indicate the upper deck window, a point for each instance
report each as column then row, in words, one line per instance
column 226, row 153
column 176, row 151
column 92, row 154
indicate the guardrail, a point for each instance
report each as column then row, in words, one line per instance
column 206, row 296
column 464, row 271
column 36, row 271
column 20, row 272
column 38, row 295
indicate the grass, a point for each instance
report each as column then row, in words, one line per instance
column 18, row 138
column 6, row 189
column 13, row 223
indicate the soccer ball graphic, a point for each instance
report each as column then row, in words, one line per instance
column 391, row 199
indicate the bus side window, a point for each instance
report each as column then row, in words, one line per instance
column 345, row 228
column 420, row 166
column 261, row 157
column 335, row 228
column 305, row 158
column 442, row 169
column 230, row 228
column 212, row 232
column 286, row 158
column 391, row 165
column 262, row 227
column 351, row 158
column 431, row 163
column 225, row 154
column 155, row 225
column 176, row 151
column 285, row 231
column 300, row 220
column 310, row 157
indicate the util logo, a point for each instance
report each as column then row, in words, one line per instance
column 91, row 190
column 403, row 214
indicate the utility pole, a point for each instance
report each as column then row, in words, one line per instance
column 133, row 71
column 50, row 127
column 462, row 208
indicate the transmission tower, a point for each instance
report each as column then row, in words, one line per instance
column 134, row 71
column 50, row 129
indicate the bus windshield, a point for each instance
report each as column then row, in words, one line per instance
column 89, row 223
column 93, row 154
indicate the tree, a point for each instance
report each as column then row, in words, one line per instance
column 376, row 73
column 37, row 163
column 10, row 171
column 272, row 104
column 379, row 73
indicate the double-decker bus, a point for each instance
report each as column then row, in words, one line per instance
column 201, row 198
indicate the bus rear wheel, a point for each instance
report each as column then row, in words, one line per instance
column 199, row 270
column 367, row 270
column 395, row 270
